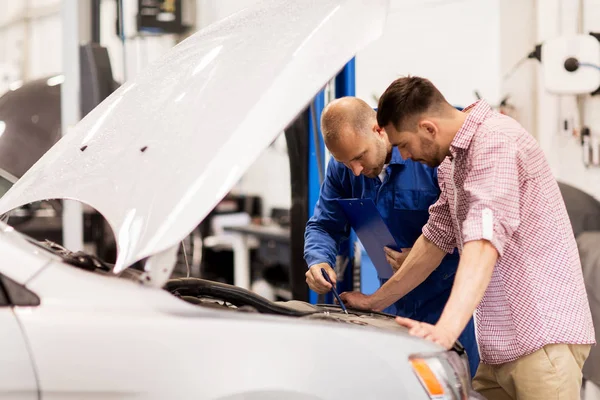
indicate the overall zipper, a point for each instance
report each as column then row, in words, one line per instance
column 387, row 178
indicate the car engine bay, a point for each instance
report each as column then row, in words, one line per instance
column 206, row 293
column 219, row 295
column 222, row 296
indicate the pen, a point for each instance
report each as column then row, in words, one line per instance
column 335, row 293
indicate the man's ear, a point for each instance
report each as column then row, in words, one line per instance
column 378, row 130
column 429, row 127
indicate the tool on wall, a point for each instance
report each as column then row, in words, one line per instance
column 595, row 143
column 590, row 144
column 571, row 64
column 570, row 67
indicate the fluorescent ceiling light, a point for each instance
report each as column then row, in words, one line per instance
column 15, row 85
column 55, row 80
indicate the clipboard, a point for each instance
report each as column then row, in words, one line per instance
column 372, row 231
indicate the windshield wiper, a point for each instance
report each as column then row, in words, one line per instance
column 79, row 259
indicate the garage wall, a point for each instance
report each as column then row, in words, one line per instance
column 31, row 40
column 556, row 17
column 30, row 35
column 470, row 45
column 568, row 152
column 523, row 24
column 518, row 76
column 455, row 44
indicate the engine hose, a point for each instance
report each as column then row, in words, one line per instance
column 237, row 296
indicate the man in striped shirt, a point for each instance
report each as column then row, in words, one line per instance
column 519, row 268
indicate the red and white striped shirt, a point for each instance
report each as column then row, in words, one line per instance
column 498, row 186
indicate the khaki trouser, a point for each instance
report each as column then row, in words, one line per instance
column 553, row 372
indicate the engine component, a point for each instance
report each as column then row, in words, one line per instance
column 231, row 294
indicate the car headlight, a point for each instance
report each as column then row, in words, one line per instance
column 443, row 375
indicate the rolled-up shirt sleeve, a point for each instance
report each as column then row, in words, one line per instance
column 492, row 190
column 439, row 229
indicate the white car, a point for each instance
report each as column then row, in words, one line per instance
column 154, row 159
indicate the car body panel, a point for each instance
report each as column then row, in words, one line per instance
column 144, row 342
column 159, row 153
column 116, row 355
column 21, row 259
column 17, row 375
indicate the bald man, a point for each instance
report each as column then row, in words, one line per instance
column 366, row 165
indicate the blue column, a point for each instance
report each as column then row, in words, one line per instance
column 345, row 85
column 316, row 152
column 345, row 81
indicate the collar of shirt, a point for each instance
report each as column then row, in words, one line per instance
column 396, row 157
column 477, row 114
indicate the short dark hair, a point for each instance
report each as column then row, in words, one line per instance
column 407, row 98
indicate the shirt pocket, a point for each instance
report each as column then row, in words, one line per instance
column 411, row 212
column 415, row 200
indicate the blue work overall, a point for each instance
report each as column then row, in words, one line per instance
column 403, row 199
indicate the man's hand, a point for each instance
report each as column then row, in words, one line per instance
column 357, row 300
column 315, row 279
column 435, row 333
column 396, row 258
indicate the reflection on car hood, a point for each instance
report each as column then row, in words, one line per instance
column 157, row 155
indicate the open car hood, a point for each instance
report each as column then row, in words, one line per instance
column 157, row 155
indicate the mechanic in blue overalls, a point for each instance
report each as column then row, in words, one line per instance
column 365, row 165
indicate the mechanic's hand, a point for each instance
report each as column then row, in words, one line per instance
column 396, row 258
column 435, row 333
column 357, row 300
column 316, row 281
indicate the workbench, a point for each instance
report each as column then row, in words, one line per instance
column 274, row 245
